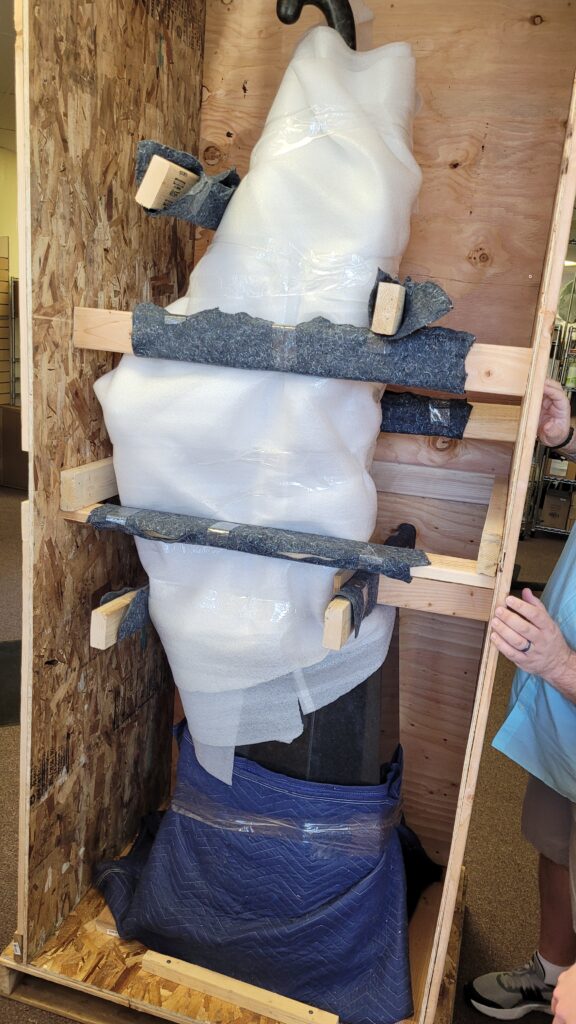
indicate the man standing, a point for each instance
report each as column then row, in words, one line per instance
column 539, row 733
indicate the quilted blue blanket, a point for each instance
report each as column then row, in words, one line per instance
column 294, row 886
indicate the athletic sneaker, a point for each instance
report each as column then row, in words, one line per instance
column 511, row 994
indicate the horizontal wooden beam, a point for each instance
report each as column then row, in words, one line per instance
column 446, row 569
column 491, row 369
column 457, row 600
column 105, row 621
column 491, row 422
column 443, row 568
column 239, row 993
column 431, row 482
column 95, row 481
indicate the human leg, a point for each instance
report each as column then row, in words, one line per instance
column 547, row 823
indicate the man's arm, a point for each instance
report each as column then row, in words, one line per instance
column 554, row 423
column 525, row 633
column 523, row 630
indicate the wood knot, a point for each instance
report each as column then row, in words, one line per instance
column 536, row 19
column 442, row 444
column 479, row 256
column 211, row 155
column 454, row 164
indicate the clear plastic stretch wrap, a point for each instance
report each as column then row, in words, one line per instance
column 327, row 201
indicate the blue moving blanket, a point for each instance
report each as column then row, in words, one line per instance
column 294, row 886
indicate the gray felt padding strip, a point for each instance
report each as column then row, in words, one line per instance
column 432, row 358
column 172, row 528
column 207, row 200
column 362, row 592
column 136, row 615
column 416, row 414
column 425, row 303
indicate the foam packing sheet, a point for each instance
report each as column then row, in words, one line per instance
column 326, row 201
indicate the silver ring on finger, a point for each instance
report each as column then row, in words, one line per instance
column 524, row 650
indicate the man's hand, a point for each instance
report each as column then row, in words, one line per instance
column 564, row 998
column 525, row 633
column 554, row 423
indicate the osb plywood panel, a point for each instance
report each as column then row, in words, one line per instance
column 88, row 956
column 439, row 665
column 442, row 527
column 103, row 75
column 495, row 82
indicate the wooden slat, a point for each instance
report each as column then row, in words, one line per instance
column 491, row 369
column 442, row 598
column 102, row 330
column 429, row 482
column 105, row 621
column 249, row 997
column 491, row 541
column 470, row 456
column 444, row 568
column 93, row 482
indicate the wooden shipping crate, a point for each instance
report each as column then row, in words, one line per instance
column 494, row 138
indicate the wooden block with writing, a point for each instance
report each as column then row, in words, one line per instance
column 389, row 308
column 164, row 182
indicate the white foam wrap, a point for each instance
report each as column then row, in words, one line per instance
column 326, row 201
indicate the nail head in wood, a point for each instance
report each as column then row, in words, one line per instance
column 389, row 308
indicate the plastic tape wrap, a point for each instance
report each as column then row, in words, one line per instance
column 358, row 833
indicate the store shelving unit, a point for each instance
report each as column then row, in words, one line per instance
column 562, row 356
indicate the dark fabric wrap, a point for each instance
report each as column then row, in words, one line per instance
column 295, row 886
column 417, row 414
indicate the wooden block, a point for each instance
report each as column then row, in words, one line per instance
column 164, row 182
column 105, row 923
column 491, row 541
column 96, row 481
column 342, row 577
column 388, row 308
column 9, row 979
column 337, row 624
column 105, row 621
column 249, row 997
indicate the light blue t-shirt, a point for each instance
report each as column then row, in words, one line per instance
column 540, row 730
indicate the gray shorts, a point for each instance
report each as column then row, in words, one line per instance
column 549, row 824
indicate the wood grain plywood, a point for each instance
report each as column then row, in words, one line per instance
column 495, row 82
column 104, row 75
column 436, row 699
column 446, row 527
